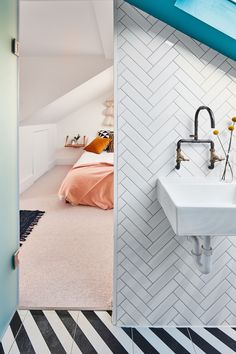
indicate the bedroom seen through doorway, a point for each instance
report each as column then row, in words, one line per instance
column 66, row 142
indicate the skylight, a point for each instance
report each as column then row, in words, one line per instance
column 211, row 11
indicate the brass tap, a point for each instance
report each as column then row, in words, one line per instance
column 180, row 157
column 214, row 157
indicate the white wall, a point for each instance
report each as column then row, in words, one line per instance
column 44, row 79
column 37, row 144
column 86, row 121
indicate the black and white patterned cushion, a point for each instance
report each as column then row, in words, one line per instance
column 107, row 134
column 104, row 134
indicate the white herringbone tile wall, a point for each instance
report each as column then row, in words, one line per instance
column 163, row 77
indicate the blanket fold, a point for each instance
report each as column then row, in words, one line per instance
column 89, row 184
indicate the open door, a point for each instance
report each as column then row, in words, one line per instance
column 9, row 239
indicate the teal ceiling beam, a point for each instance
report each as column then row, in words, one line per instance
column 209, row 23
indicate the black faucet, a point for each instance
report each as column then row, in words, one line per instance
column 212, row 118
column 196, row 140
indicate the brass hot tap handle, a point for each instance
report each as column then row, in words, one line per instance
column 215, row 157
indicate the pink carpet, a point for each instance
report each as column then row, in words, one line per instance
column 67, row 260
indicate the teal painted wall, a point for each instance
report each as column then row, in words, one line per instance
column 166, row 11
column 8, row 163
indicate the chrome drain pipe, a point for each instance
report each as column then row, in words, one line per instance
column 202, row 253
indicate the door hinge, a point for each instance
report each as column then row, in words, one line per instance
column 16, row 259
column 15, row 47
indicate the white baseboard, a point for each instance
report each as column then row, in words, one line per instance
column 65, row 161
column 26, row 183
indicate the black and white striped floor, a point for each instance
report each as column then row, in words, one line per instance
column 72, row 332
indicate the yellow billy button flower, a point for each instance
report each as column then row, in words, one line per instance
column 234, row 119
column 231, row 128
column 215, row 132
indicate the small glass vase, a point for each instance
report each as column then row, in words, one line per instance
column 227, row 174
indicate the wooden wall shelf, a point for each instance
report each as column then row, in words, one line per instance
column 76, row 146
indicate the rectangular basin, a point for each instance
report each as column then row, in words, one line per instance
column 198, row 207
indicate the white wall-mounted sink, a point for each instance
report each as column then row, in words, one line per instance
column 198, row 207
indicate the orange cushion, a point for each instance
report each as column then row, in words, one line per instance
column 98, row 145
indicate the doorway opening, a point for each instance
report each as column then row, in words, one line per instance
column 66, row 137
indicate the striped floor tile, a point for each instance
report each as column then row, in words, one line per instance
column 91, row 332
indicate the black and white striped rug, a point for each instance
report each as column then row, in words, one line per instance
column 90, row 332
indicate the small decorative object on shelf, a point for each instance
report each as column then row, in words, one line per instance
column 75, row 139
column 228, row 173
column 74, row 142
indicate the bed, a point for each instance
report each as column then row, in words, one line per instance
column 90, row 181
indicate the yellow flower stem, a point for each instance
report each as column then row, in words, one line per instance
column 231, row 137
column 227, row 156
column 222, row 146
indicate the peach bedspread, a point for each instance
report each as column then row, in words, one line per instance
column 89, row 184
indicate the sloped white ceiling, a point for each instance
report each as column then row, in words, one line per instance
column 45, row 79
column 79, row 27
column 75, row 99
column 64, row 43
